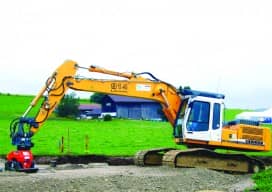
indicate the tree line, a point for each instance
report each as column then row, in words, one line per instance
column 69, row 104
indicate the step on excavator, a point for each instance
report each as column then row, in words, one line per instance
column 196, row 118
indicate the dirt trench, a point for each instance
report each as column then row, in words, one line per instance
column 84, row 159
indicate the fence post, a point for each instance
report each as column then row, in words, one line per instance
column 61, row 144
column 68, row 141
column 86, row 143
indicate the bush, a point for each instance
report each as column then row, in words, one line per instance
column 107, row 117
column 68, row 106
column 97, row 98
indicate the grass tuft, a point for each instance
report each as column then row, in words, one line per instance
column 263, row 181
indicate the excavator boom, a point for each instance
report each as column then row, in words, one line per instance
column 64, row 78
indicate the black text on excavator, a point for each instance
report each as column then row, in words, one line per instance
column 196, row 117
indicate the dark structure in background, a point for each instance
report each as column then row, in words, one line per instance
column 122, row 107
column 131, row 108
column 89, row 111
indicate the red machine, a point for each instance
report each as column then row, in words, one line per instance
column 20, row 160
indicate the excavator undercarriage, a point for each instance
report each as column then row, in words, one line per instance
column 199, row 157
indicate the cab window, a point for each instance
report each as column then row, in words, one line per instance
column 216, row 116
column 199, row 116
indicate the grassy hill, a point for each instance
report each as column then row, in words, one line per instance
column 117, row 137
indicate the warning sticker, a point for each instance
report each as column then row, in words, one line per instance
column 143, row 87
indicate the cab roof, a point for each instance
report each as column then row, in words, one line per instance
column 201, row 93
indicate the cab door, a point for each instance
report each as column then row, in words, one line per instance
column 217, row 122
column 197, row 124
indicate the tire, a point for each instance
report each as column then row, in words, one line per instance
column 13, row 165
column 7, row 166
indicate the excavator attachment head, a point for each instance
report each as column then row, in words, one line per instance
column 21, row 160
column 19, row 136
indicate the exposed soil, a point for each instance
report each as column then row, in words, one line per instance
column 84, row 159
column 103, row 177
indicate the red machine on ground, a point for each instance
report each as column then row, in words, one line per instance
column 21, row 160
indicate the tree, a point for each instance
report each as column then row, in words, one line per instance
column 97, row 98
column 68, row 106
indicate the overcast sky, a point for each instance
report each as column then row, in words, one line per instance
column 215, row 46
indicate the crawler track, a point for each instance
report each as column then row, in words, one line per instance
column 199, row 157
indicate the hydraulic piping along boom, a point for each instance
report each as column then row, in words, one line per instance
column 109, row 72
column 36, row 99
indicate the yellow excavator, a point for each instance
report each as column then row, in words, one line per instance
column 196, row 118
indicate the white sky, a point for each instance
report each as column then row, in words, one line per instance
column 215, row 46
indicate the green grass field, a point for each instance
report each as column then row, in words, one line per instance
column 117, row 137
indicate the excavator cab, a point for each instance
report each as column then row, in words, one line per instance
column 201, row 123
column 200, row 117
column 203, row 120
